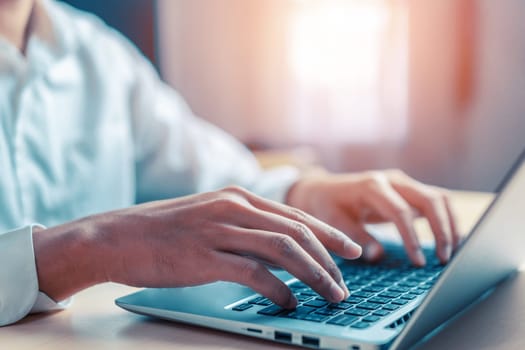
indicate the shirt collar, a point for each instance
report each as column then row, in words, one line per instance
column 46, row 44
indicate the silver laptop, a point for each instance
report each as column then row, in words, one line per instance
column 392, row 304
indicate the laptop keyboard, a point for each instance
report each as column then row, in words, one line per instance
column 376, row 291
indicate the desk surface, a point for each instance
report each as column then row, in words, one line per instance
column 93, row 321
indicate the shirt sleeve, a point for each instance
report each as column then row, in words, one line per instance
column 178, row 153
column 19, row 294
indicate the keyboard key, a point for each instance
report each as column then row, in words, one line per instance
column 398, row 289
column 360, row 325
column 371, row 318
column 342, row 305
column 263, row 301
column 316, row 303
column 400, row 301
column 373, row 289
column 343, row 320
column 408, row 284
column 354, row 300
column 242, row 307
column 357, row 312
column 362, row 294
column 368, row 306
column 303, row 298
column 316, row 317
column 309, row 293
column 328, row 312
column 379, row 300
column 418, row 291
column 409, row 296
column 382, row 312
column 256, row 300
column 300, row 312
column 383, row 284
column 272, row 310
column 391, row 307
column 390, row 295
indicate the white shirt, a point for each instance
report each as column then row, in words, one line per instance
column 87, row 126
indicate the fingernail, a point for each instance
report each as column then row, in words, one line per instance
column 420, row 258
column 371, row 251
column 344, row 288
column 352, row 249
column 336, row 292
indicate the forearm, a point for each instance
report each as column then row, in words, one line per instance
column 69, row 258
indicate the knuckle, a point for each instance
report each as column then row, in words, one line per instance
column 297, row 214
column 223, row 202
column 301, row 233
column 284, row 245
column 319, row 278
column 375, row 178
column 233, row 189
column 250, row 270
column 395, row 173
column 334, row 271
column 220, row 203
column 403, row 212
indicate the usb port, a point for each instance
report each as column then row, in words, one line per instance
column 283, row 337
column 311, row 341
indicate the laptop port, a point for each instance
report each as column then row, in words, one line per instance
column 311, row 341
column 254, row 330
column 356, row 347
column 283, row 337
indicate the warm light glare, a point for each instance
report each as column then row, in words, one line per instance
column 341, row 57
column 333, row 39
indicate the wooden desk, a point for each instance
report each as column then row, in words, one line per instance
column 94, row 322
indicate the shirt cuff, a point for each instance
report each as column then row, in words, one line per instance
column 275, row 183
column 19, row 293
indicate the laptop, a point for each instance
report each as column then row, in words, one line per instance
column 391, row 305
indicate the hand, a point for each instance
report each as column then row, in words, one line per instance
column 221, row 235
column 349, row 201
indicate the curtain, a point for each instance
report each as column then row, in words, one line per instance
column 326, row 73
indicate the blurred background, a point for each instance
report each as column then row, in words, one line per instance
column 436, row 88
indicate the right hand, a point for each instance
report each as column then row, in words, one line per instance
column 223, row 235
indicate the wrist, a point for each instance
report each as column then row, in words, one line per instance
column 300, row 192
column 67, row 259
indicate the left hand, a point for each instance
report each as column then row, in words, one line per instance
column 348, row 201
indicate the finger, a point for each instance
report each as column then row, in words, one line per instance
column 248, row 216
column 392, row 206
column 257, row 219
column 372, row 249
column 234, row 268
column 302, row 234
column 330, row 237
column 282, row 250
column 456, row 237
column 433, row 207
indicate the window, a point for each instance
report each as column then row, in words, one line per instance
column 348, row 70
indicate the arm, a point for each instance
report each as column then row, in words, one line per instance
column 171, row 243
